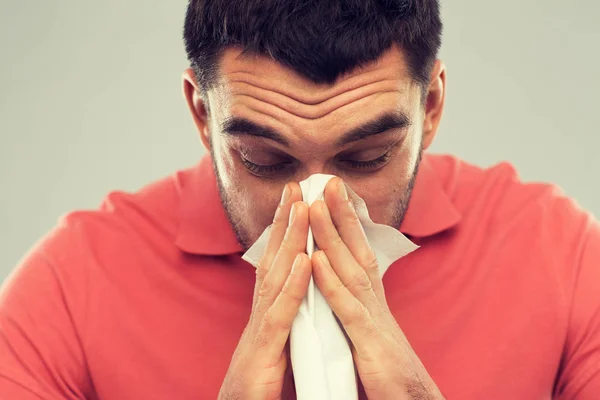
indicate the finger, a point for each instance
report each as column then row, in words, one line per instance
column 277, row 321
column 288, row 390
column 350, row 273
column 352, row 314
column 350, row 229
column 293, row 243
column 290, row 195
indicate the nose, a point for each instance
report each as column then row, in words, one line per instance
column 316, row 167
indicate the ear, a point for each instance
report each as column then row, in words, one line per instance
column 434, row 104
column 196, row 105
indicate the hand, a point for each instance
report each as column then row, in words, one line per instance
column 260, row 360
column 346, row 271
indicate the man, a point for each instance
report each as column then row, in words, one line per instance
column 148, row 297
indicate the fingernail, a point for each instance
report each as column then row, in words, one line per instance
column 277, row 214
column 292, row 215
column 286, row 195
column 297, row 261
column 323, row 258
column 324, row 208
column 351, row 205
column 342, row 190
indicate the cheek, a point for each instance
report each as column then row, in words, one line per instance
column 383, row 193
column 224, row 159
column 382, row 197
column 253, row 200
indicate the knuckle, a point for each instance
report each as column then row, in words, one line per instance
column 291, row 244
column 265, row 289
column 351, row 216
column 356, row 315
column 293, row 294
column 273, row 324
column 361, row 281
column 286, row 246
column 331, row 291
column 335, row 241
column 370, row 263
column 262, row 269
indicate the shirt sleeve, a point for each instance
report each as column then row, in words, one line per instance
column 579, row 377
column 41, row 354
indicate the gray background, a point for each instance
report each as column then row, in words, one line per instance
column 90, row 100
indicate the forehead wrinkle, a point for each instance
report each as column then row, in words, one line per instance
column 276, row 97
column 301, row 132
column 293, row 133
column 306, row 92
column 265, row 118
column 310, row 113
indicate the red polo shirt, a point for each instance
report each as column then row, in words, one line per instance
column 146, row 297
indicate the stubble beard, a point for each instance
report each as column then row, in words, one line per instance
column 243, row 236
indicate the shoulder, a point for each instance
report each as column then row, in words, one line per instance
column 502, row 199
column 535, row 222
column 125, row 228
column 90, row 251
column 133, row 218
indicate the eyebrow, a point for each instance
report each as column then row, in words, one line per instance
column 237, row 126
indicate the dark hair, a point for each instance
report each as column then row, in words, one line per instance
column 319, row 39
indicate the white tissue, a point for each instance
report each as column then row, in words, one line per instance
column 321, row 358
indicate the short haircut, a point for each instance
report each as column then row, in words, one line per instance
column 319, row 39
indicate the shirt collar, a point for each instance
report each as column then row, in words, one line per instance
column 203, row 224
column 205, row 229
column 430, row 209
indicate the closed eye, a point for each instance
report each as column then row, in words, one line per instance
column 287, row 166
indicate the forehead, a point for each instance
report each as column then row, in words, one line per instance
column 260, row 89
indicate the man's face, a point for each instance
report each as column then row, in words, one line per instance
column 269, row 126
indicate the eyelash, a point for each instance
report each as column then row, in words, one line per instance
column 371, row 163
column 264, row 169
column 358, row 165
